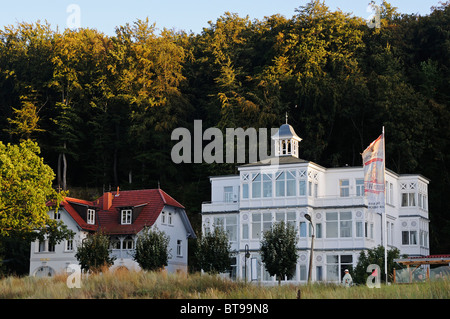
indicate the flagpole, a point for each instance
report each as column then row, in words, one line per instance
column 384, row 226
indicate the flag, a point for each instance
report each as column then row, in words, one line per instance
column 373, row 162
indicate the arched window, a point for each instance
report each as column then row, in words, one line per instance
column 128, row 243
column 44, row 271
column 115, row 243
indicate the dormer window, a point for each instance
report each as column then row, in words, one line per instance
column 91, row 216
column 126, row 217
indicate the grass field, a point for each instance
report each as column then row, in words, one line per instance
column 123, row 284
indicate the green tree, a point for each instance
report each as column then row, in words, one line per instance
column 25, row 189
column 25, row 121
column 279, row 250
column 374, row 256
column 93, row 254
column 152, row 251
column 214, row 251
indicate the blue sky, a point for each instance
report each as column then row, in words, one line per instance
column 188, row 15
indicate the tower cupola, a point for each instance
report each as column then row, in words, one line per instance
column 286, row 140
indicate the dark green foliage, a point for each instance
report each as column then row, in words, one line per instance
column 374, row 256
column 93, row 254
column 152, row 249
column 279, row 250
column 213, row 251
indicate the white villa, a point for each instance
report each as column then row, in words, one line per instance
column 249, row 203
column 121, row 215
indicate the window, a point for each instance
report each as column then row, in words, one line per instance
column 332, row 267
column 344, row 186
column 302, row 229
column 231, row 227
column 179, row 248
column 169, row 218
column 256, row 185
column 290, row 183
column 360, row 187
column 408, row 199
column 163, row 217
column 331, row 225
column 228, row 194
column 244, row 231
column 409, row 237
column 345, row 224
column 318, row 230
column 423, row 201
column 302, row 188
column 280, row 187
column 245, row 190
column 267, row 185
column 288, row 218
column 69, row 245
column 229, row 224
column 359, row 229
column 57, row 215
column 303, row 275
column 336, row 264
column 389, row 193
column 260, row 223
column 128, row 243
column 115, row 243
column 91, row 216
column 339, row 224
column 309, row 188
column 319, row 273
column 126, row 217
column 41, row 246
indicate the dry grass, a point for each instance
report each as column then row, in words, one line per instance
column 160, row 285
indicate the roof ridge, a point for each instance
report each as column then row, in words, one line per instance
column 162, row 196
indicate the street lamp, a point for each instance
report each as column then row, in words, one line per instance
column 308, row 218
column 247, row 256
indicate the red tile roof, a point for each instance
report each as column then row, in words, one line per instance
column 150, row 202
column 74, row 214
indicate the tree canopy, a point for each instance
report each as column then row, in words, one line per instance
column 102, row 108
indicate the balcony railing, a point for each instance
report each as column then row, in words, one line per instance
column 323, row 201
column 212, row 207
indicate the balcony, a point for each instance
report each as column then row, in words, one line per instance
column 217, row 207
column 334, row 201
column 314, row 202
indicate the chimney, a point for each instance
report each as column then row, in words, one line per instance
column 117, row 193
column 107, row 200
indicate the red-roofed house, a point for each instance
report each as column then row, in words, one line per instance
column 122, row 215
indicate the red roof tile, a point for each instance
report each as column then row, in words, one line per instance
column 74, row 214
column 147, row 202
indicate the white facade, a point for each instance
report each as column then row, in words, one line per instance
column 249, row 203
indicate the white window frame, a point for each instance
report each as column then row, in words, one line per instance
column 125, row 216
column 90, row 216
column 344, row 190
column 179, row 248
column 69, row 245
column 408, row 199
column 359, row 182
column 228, row 194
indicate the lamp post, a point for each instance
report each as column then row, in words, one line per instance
column 308, row 218
column 247, row 256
